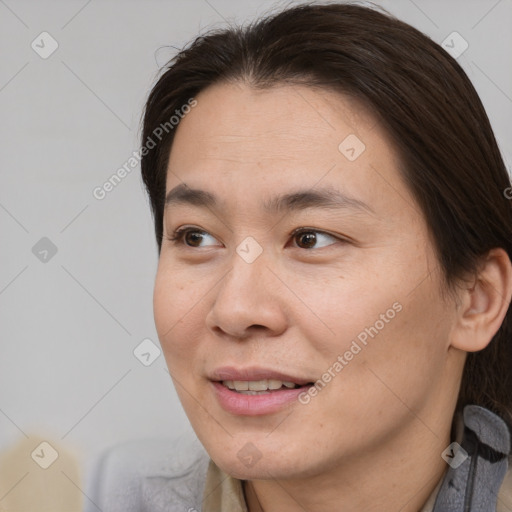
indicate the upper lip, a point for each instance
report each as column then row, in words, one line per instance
column 253, row 374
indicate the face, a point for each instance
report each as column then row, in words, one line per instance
column 306, row 266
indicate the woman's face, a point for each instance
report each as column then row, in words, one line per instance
column 351, row 301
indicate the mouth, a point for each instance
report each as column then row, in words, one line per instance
column 256, row 391
column 260, row 387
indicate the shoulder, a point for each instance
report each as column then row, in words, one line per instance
column 149, row 474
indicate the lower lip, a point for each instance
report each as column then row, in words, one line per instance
column 255, row 405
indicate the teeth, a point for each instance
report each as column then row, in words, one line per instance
column 241, row 385
column 258, row 385
column 255, row 386
column 274, row 384
column 253, row 392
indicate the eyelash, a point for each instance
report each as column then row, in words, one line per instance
column 180, row 233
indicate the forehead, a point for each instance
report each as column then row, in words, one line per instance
column 239, row 117
column 262, row 140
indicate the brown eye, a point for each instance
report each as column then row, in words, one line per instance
column 193, row 238
column 308, row 238
column 190, row 237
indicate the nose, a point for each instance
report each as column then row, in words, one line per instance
column 249, row 301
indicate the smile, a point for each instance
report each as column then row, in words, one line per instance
column 258, row 387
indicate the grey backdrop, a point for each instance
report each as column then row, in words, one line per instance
column 77, row 272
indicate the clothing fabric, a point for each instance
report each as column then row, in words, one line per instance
column 164, row 476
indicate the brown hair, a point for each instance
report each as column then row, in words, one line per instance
column 422, row 98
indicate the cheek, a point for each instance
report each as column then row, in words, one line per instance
column 393, row 327
column 401, row 351
column 176, row 304
column 341, row 306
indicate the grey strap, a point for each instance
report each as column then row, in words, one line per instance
column 473, row 481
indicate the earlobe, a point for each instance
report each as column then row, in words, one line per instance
column 484, row 305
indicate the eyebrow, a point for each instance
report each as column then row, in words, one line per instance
column 324, row 198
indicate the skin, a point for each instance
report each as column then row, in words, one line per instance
column 372, row 438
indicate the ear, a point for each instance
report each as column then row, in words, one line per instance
column 483, row 306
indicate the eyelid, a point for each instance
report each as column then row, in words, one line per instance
column 305, row 229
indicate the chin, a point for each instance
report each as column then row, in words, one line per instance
column 262, row 470
column 243, row 460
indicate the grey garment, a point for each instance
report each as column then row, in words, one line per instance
column 149, row 476
column 473, row 482
column 164, row 476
